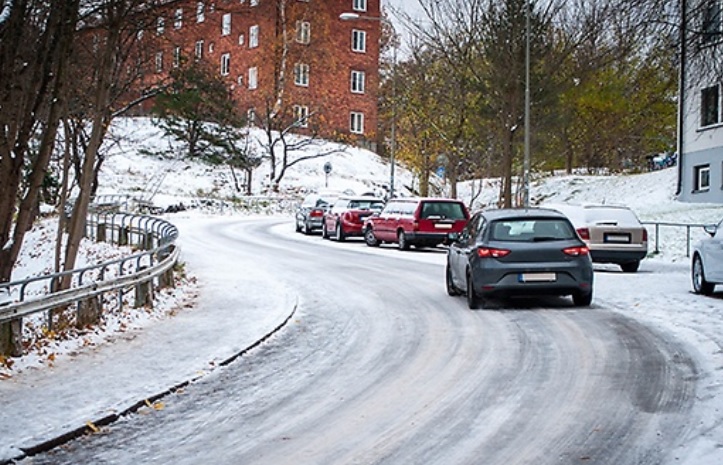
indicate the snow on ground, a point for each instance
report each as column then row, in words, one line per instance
column 166, row 181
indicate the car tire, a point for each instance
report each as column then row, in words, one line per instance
column 474, row 302
column 630, row 267
column 298, row 228
column 582, row 299
column 370, row 239
column 451, row 288
column 307, row 229
column 339, row 233
column 402, row 241
column 324, row 232
column 700, row 285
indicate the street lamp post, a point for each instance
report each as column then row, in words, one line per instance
column 393, row 142
column 526, row 161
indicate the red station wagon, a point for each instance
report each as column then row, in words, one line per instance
column 421, row 222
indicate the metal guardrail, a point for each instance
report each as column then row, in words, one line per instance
column 690, row 233
column 154, row 236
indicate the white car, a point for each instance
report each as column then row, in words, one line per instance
column 707, row 263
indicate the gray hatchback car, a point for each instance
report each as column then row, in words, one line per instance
column 515, row 252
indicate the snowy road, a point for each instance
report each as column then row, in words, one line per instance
column 381, row 366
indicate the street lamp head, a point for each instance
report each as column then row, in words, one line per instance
column 349, row 16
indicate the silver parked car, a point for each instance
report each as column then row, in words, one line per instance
column 515, row 252
column 707, row 263
column 310, row 214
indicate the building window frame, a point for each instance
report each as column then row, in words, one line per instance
column 303, row 32
column 250, row 116
column 301, row 74
column 200, row 12
column 710, row 106
column 225, row 64
column 178, row 18
column 176, row 56
column 253, row 80
column 226, row 24
column 356, row 122
column 159, row 62
column 160, row 26
column 358, row 40
column 198, row 51
column 702, row 178
column 359, row 5
column 358, row 81
column 711, row 24
column 254, row 36
column 301, row 115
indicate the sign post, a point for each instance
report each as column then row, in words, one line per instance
column 327, row 171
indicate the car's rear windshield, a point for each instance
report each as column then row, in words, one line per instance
column 442, row 210
column 366, row 205
column 611, row 216
column 532, row 230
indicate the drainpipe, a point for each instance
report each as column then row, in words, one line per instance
column 681, row 90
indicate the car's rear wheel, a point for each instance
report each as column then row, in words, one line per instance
column 582, row 298
column 370, row 238
column 630, row 267
column 307, row 229
column 339, row 236
column 700, row 285
column 402, row 241
column 324, row 232
column 451, row 288
column 474, row 301
column 298, row 227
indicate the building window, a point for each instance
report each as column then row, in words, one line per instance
column 225, row 64
column 254, row 36
column 178, row 18
column 200, row 12
column 359, row 5
column 303, row 32
column 226, row 24
column 176, row 56
column 357, row 82
column 253, row 78
column 241, row 39
column 160, row 26
column 301, row 113
column 301, row 74
column 356, row 124
column 250, row 116
column 240, row 80
column 254, row 2
column 159, row 62
column 710, row 106
column 711, row 27
column 199, row 49
column 210, row 47
column 358, row 40
column 702, row 177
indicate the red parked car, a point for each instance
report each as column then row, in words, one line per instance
column 419, row 222
column 346, row 217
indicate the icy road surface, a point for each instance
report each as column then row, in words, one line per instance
column 380, row 366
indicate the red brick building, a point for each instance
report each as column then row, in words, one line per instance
column 295, row 60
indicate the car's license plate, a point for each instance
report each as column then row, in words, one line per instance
column 537, row 277
column 443, row 226
column 618, row 238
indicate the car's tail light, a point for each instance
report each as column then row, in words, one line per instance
column 584, row 233
column 490, row 252
column 576, row 251
column 316, row 213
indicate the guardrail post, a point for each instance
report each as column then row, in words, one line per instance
column 165, row 279
column 100, row 235
column 144, row 293
column 89, row 311
column 11, row 338
column 657, row 238
column 123, row 234
column 147, row 240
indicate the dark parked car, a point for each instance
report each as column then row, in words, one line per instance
column 510, row 252
column 419, row 222
column 310, row 214
column 346, row 217
column 707, row 263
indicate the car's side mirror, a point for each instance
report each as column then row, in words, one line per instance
column 710, row 229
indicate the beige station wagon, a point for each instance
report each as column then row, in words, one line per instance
column 614, row 234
